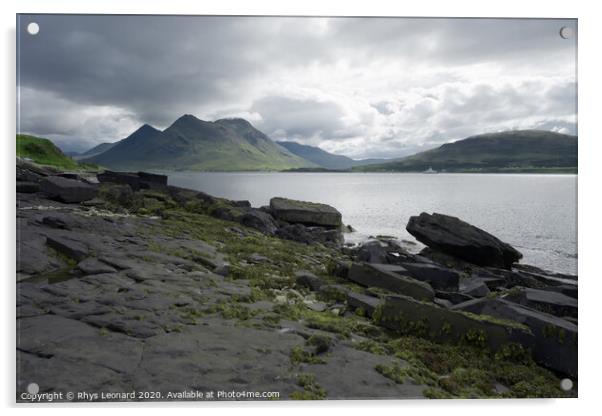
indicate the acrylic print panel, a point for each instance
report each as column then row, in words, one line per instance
column 287, row 208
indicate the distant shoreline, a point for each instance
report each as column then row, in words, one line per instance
column 533, row 172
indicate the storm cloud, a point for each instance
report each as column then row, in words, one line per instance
column 363, row 87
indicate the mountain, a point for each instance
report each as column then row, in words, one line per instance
column 193, row 144
column 95, row 151
column 324, row 159
column 510, row 151
column 43, row 151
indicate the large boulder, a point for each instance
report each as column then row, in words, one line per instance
column 67, row 190
column 390, row 277
column 440, row 278
column 460, row 239
column 259, row 220
column 409, row 316
column 372, row 251
column 555, row 339
column 308, row 213
column 310, row 235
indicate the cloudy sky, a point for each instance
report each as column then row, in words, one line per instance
column 362, row 87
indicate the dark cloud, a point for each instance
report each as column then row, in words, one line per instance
column 359, row 86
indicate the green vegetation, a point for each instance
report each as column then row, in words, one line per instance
column 44, row 152
column 521, row 151
column 464, row 371
column 311, row 390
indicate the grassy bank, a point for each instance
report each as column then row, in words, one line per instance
column 44, row 152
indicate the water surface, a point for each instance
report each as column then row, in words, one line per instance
column 537, row 214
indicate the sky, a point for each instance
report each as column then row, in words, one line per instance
column 361, row 87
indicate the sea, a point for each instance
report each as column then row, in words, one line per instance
column 535, row 213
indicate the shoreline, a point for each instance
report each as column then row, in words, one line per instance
column 133, row 262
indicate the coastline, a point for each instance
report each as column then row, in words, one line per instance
column 159, row 268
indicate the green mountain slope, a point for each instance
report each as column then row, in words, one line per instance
column 511, row 151
column 193, row 144
column 43, row 152
column 325, row 159
column 95, row 151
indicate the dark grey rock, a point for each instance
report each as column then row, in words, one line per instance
column 55, row 222
column 310, row 235
column 308, row 213
column 136, row 181
column 439, row 278
column 372, row 252
column 67, row 190
column 70, row 248
column 443, row 303
column 152, row 180
column 28, row 187
column 453, row 297
column 458, row 238
column 94, row 266
column 340, row 268
column 550, row 302
column 556, row 340
column 259, row 220
column 474, row 287
column 406, row 315
column 390, row 277
column 568, row 290
column 334, row 292
column 241, row 204
column 308, row 279
column 359, row 301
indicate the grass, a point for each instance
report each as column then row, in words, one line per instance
column 44, row 152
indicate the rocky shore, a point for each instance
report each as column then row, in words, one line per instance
column 125, row 283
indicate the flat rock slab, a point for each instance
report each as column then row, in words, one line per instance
column 556, row 339
column 94, row 266
column 359, row 301
column 474, row 287
column 551, row 302
column 390, row 277
column 440, row 278
column 70, row 248
column 453, row 236
column 409, row 316
column 349, row 373
column 308, row 213
column 67, row 190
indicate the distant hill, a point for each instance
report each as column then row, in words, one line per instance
column 95, row 151
column 510, row 151
column 193, row 144
column 43, row 152
column 325, row 159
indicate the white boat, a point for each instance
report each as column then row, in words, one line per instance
column 430, row 170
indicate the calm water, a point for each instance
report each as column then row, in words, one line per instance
column 537, row 214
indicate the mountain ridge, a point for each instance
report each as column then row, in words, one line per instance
column 508, row 151
column 190, row 143
column 323, row 158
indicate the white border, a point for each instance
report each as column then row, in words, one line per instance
column 589, row 187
